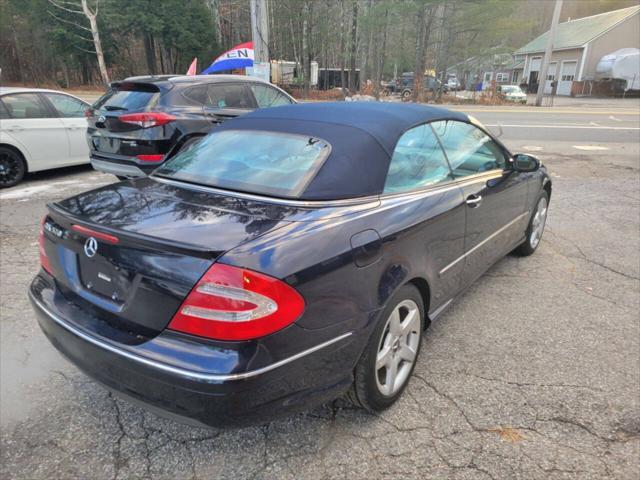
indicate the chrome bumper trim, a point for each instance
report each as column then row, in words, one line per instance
column 206, row 377
column 117, row 168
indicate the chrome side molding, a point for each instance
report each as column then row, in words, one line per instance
column 489, row 238
column 190, row 374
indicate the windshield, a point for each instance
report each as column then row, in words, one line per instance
column 511, row 89
column 267, row 163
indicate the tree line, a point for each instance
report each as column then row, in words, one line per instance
column 80, row 42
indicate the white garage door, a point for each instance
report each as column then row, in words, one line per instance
column 535, row 64
column 551, row 76
column 565, row 80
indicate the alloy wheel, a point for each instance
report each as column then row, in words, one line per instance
column 10, row 169
column 398, row 347
column 538, row 222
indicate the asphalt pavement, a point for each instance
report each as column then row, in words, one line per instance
column 534, row 373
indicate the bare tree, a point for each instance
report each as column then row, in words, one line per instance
column 343, row 80
column 91, row 15
column 381, row 55
column 214, row 6
column 354, row 48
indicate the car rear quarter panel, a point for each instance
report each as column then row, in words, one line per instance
column 420, row 234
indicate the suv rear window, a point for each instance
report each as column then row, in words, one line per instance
column 127, row 99
column 267, row 163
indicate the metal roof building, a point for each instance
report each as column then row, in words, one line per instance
column 579, row 45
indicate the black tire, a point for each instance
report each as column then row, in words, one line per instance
column 527, row 247
column 12, row 167
column 406, row 95
column 365, row 391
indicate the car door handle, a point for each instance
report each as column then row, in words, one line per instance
column 474, row 200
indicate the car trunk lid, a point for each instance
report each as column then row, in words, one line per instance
column 129, row 253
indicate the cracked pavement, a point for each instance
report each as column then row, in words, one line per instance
column 534, row 373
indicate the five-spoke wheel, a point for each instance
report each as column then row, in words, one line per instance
column 12, row 167
column 398, row 347
column 388, row 360
column 535, row 229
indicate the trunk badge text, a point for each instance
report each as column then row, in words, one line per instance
column 90, row 247
column 54, row 230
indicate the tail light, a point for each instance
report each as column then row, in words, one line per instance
column 88, row 112
column 231, row 303
column 44, row 260
column 147, row 119
column 94, row 233
column 150, row 158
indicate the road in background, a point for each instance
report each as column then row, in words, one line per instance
column 533, row 373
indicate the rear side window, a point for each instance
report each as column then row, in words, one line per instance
column 469, row 149
column 267, row 96
column 66, row 106
column 4, row 112
column 229, row 95
column 267, row 163
column 25, row 105
column 418, row 161
column 198, row 94
column 127, row 100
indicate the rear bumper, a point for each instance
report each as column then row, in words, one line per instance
column 216, row 397
column 121, row 165
column 119, row 169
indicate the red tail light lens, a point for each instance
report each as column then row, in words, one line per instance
column 147, row 119
column 44, row 260
column 231, row 303
column 88, row 112
column 93, row 233
column 150, row 158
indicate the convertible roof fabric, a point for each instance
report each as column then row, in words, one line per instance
column 362, row 135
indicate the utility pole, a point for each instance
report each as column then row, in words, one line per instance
column 260, row 30
column 544, row 69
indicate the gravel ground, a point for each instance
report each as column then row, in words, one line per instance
column 534, row 373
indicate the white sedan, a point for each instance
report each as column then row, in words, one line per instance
column 512, row 93
column 40, row 129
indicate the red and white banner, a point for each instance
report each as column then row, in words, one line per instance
column 240, row 56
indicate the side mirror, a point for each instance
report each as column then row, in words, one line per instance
column 523, row 162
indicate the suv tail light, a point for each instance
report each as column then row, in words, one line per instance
column 147, row 119
column 150, row 158
column 231, row 303
column 44, row 260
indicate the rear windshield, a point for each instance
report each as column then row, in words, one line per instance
column 266, row 163
column 127, row 99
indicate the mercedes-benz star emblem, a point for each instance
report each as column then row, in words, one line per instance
column 90, row 247
column 102, row 119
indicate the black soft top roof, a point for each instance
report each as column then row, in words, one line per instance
column 362, row 135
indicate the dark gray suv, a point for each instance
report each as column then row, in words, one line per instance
column 142, row 121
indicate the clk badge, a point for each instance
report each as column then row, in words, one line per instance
column 90, row 247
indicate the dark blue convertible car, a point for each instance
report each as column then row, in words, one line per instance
column 294, row 254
